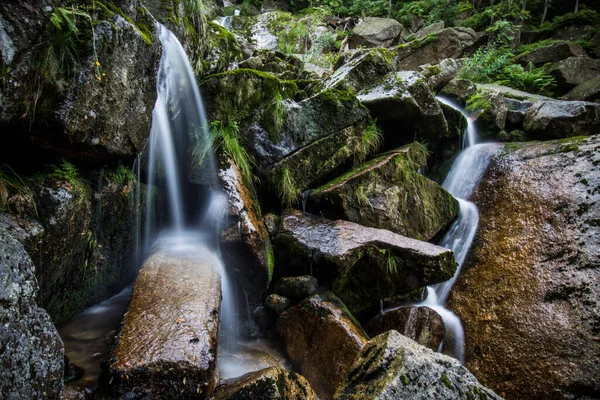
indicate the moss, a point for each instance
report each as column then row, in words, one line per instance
column 404, row 380
column 417, row 44
column 270, row 260
column 446, row 381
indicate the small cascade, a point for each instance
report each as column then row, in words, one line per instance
column 465, row 174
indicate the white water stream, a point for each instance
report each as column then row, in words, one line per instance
column 465, row 174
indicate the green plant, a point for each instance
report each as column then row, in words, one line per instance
column 288, row 188
column 370, row 141
column 391, row 261
column 278, row 112
column 361, row 196
column 502, row 31
column 530, row 79
column 477, row 103
column 122, row 176
column 14, row 190
column 226, row 136
column 485, row 64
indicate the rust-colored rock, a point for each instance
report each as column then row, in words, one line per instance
column 529, row 294
column 323, row 339
column 267, row 384
column 167, row 346
column 421, row 324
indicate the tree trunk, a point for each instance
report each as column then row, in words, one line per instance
column 576, row 6
column 545, row 11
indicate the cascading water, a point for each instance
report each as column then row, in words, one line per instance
column 462, row 179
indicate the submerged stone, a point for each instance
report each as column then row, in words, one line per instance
column 421, row 324
column 392, row 366
column 362, row 264
column 323, row 339
column 388, row 192
column 168, row 342
column 268, row 384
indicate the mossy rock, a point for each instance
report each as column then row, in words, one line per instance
column 361, row 68
column 389, row 193
column 221, row 52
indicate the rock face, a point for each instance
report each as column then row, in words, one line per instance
column 440, row 74
column 532, row 330
column 245, row 243
column 429, row 30
column 178, row 294
column 404, row 99
column 447, row 43
column 556, row 119
column 389, row 193
column 392, row 366
column 268, row 384
column 550, row 54
column 322, row 338
column 375, row 32
column 361, row 68
column 105, row 111
column 296, row 287
column 363, row 264
column 421, row 324
column 32, row 357
column 573, row 71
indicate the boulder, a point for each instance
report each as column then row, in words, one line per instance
column 404, row 99
column 375, row 32
column 534, row 335
column 459, row 90
column 362, row 264
column 278, row 303
column 32, row 356
column 392, row 366
column 297, row 287
column 489, row 111
column 573, row 71
column 595, row 42
column 355, row 70
column 447, row 43
column 244, row 240
column 221, row 52
column 268, row 384
column 558, row 119
column 551, row 54
column 421, row 324
column 586, row 91
column 389, row 193
column 323, row 339
column 429, row 30
column 440, row 74
column 179, row 294
column 97, row 108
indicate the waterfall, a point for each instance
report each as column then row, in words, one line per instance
column 178, row 125
column 464, row 175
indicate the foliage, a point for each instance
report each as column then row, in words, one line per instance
column 583, row 17
column 485, row 64
column 122, row 176
column 361, row 196
column 430, row 11
column 14, row 190
column 530, row 79
column 477, row 103
column 288, row 188
column 502, row 31
column 226, row 137
column 371, row 140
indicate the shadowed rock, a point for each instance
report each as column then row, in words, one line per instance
column 392, row 366
column 421, row 324
column 268, row 384
column 167, row 345
column 559, row 119
column 363, row 264
column 573, row 71
column 389, row 193
column 551, row 54
column 586, row 91
column 323, row 339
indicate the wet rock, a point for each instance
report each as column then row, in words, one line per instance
column 32, row 358
column 556, row 119
column 375, row 32
column 223, row 52
column 573, row 71
column 393, row 366
column 421, row 324
column 297, row 287
column 586, row 91
column 550, row 54
column 181, row 295
column 278, row 303
column 534, row 335
column 439, row 75
column 389, row 193
column 322, row 338
column 86, row 252
column 459, row 90
column 244, row 240
column 404, row 99
column 266, row 384
column 447, row 43
column 360, row 68
column 362, row 264
column 490, row 118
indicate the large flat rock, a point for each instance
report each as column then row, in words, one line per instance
column 363, row 264
column 168, row 343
